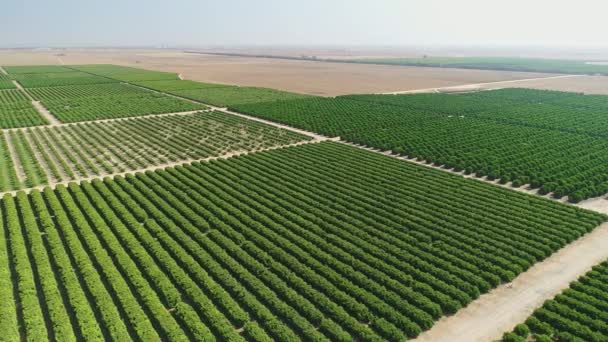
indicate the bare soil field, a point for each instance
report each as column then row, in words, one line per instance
column 581, row 84
column 318, row 78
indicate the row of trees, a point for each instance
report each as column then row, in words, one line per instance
column 577, row 314
column 509, row 135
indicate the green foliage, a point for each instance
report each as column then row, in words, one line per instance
column 522, row 330
column 79, row 91
column 170, row 85
column 116, row 106
column 89, row 149
column 497, row 63
column 321, row 242
column 36, row 69
column 561, row 152
column 19, row 114
column 126, row 74
column 231, row 96
column 579, row 313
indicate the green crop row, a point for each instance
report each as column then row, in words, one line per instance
column 322, row 242
column 563, row 151
column 92, row 149
column 579, row 313
column 116, row 106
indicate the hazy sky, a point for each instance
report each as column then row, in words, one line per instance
column 305, row 22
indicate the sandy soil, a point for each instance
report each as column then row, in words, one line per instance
column 581, row 84
column 319, row 78
column 498, row 311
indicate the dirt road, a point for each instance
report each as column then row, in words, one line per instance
column 498, row 311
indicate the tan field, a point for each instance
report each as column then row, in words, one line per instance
column 319, row 78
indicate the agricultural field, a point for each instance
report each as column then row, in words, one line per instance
column 16, row 110
column 322, row 242
column 232, row 96
column 550, row 140
column 68, row 152
column 5, row 82
column 170, row 85
column 497, row 63
column 120, row 106
column 79, row 91
column 125, row 74
column 579, row 313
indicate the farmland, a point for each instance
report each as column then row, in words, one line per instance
column 16, row 110
column 497, row 63
column 550, row 140
column 120, row 106
column 69, row 152
column 133, row 206
column 238, row 244
column 579, row 313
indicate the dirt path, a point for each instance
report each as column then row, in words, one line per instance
column 498, row 311
column 21, row 177
column 50, row 118
column 476, row 86
column 161, row 166
column 2, row 71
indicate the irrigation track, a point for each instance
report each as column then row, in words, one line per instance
column 499, row 310
column 102, row 175
column 475, row 86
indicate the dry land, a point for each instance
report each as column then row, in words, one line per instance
column 318, row 78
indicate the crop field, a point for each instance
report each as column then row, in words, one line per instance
column 56, row 154
column 551, row 140
column 125, row 74
column 318, row 242
column 132, row 211
column 110, row 107
column 79, row 91
column 16, row 110
column 579, row 313
column 170, row 85
column 497, row 63
column 232, row 96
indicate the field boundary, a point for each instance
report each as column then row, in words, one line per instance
column 163, row 166
column 146, row 116
column 473, row 86
column 499, row 310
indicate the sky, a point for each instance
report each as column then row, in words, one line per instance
column 86, row 23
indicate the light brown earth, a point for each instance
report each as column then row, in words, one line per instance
column 319, row 78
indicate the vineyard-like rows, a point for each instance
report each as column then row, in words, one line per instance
column 19, row 114
column 112, row 107
column 36, row 69
column 6, row 84
column 322, row 242
column 549, row 65
column 461, row 132
column 579, row 313
column 177, row 85
column 11, row 96
column 125, row 74
column 561, row 111
column 231, row 95
column 68, row 152
column 78, row 91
